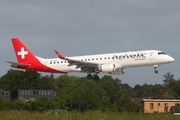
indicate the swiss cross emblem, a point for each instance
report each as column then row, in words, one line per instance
column 22, row 53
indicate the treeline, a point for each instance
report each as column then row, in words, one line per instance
column 81, row 94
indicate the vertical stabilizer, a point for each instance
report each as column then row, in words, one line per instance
column 23, row 54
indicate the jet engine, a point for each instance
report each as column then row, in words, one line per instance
column 112, row 69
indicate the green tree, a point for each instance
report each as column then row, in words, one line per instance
column 39, row 105
column 176, row 89
column 44, row 83
column 88, row 95
column 113, row 88
column 127, row 90
column 125, row 104
column 66, row 84
column 169, row 80
column 57, row 103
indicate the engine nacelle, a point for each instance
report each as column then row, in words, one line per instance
column 112, row 69
column 108, row 68
column 118, row 71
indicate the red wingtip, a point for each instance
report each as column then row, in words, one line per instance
column 59, row 55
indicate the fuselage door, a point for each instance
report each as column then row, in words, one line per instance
column 151, row 55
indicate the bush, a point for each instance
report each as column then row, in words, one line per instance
column 38, row 105
column 2, row 104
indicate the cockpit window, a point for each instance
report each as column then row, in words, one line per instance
column 161, row 53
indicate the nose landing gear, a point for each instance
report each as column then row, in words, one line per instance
column 155, row 69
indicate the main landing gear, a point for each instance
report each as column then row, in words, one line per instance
column 155, row 69
column 94, row 77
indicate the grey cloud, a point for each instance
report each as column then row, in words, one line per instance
column 77, row 27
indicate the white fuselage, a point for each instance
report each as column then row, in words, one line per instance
column 124, row 59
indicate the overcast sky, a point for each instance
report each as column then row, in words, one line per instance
column 80, row 27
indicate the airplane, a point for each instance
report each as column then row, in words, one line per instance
column 111, row 63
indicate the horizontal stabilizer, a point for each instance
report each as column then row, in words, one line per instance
column 15, row 64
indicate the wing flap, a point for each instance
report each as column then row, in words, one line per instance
column 15, row 64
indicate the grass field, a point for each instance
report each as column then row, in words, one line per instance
column 91, row 115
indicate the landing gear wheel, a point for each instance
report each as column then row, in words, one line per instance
column 89, row 76
column 96, row 77
column 156, row 72
column 155, row 69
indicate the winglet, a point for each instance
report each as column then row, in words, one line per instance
column 59, row 55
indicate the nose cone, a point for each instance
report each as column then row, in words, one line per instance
column 171, row 59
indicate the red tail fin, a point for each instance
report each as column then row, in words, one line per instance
column 23, row 54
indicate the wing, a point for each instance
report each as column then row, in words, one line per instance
column 80, row 64
column 15, row 64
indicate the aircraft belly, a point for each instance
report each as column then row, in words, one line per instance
column 66, row 68
column 74, row 69
column 136, row 63
column 141, row 63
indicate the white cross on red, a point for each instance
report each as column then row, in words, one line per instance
column 22, row 53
